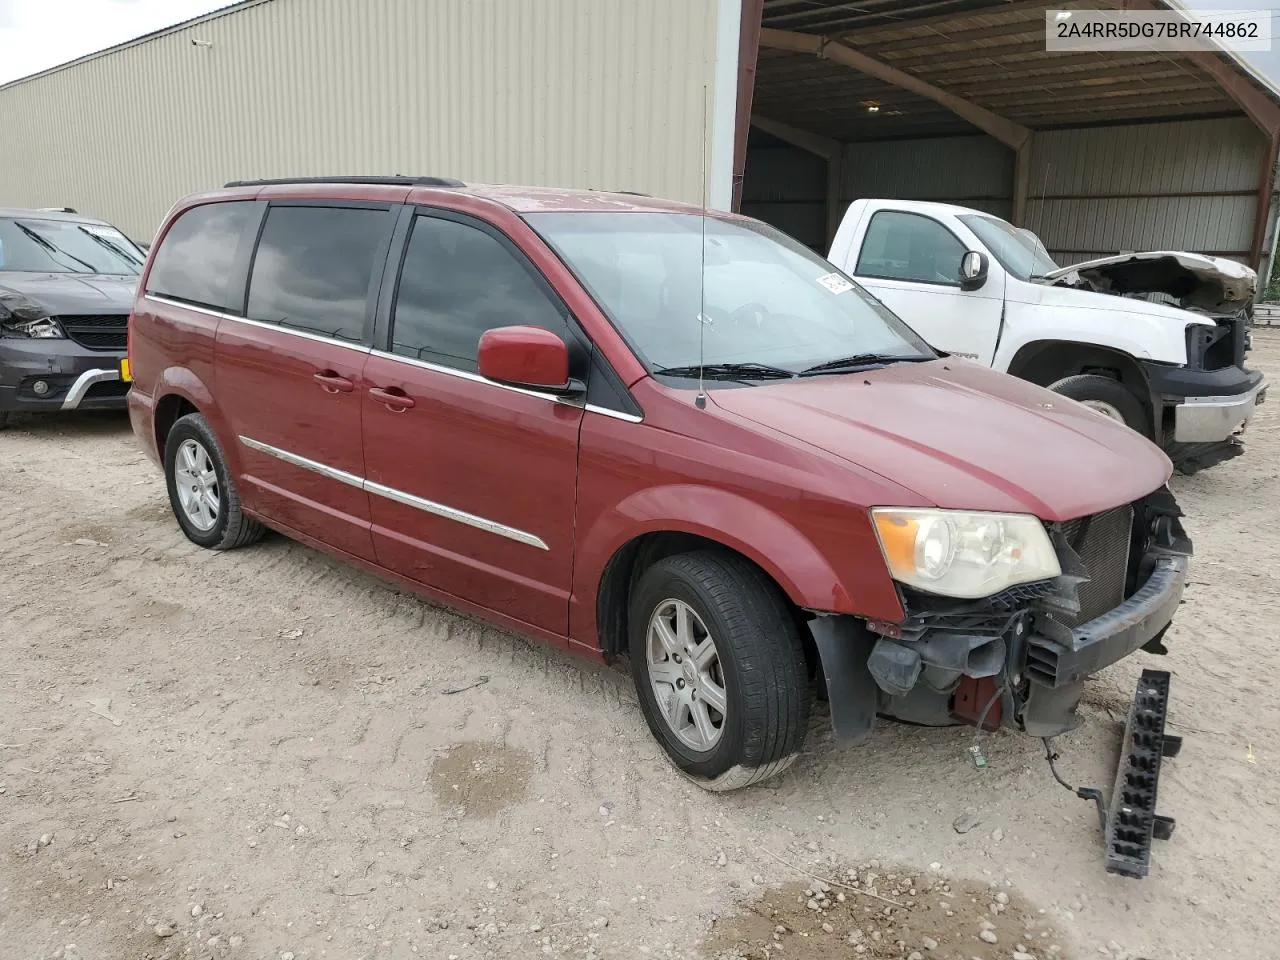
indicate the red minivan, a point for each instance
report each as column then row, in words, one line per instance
column 623, row 425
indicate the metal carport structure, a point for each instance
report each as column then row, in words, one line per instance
column 959, row 100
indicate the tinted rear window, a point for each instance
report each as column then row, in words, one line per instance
column 195, row 259
column 313, row 268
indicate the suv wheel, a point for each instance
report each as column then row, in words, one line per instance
column 719, row 669
column 1108, row 397
column 201, row 491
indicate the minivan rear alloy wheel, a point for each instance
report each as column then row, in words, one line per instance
column 719, row 668
column 201, row 492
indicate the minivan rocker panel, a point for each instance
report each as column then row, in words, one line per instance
column 749, row 476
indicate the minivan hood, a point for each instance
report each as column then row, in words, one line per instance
column 1196, row 281
column 52, row 294
column 962, row 436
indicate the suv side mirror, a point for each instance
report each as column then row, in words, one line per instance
column 973, row 269
column 527, row 357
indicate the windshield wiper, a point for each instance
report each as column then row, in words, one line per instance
column 729, row 371
column 51, row 248
column 117, row 250
column 861, row 361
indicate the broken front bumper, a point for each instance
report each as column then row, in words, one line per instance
column 1058, row 665
column 1019, row 658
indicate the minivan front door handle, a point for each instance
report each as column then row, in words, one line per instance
column 393, row 398
column 331, row 382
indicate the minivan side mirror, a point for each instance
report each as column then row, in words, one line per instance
column 973, row 269
column 522, row 356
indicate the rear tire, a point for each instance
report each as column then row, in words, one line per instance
column 201, row 491
column 1109, row 397
column 755, row 669
column 4, row 419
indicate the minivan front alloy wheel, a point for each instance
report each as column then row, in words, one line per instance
column 719, row 668
column 685, row 671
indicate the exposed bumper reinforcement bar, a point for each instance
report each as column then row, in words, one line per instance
column 1132, row 821
column 1114, row 635
column 84, row 382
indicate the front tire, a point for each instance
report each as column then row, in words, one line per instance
column 1108, row 397
column 719, row 668
column 201, row 492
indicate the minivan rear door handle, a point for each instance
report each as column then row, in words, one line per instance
column 393, row 398
column 331, row 382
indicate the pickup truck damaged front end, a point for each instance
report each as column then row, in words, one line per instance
column 1020, row 658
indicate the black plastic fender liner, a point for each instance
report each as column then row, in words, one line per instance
column 1132, row 821
column 844, row 646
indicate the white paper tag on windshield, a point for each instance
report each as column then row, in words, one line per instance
column 835, row 283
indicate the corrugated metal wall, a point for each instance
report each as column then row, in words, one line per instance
column 589, row 93
column 1188, row 185
column 787, row 187
column 971, row 171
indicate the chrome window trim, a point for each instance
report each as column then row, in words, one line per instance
column 616, row 414
column 365, row 348
column 399, row 496
column 304, row 334
column 477, row 378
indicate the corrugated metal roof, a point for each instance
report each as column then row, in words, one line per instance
column 990, row 52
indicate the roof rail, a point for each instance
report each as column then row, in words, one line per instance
column 396, row 181
column 57, row 210
column 625, row 193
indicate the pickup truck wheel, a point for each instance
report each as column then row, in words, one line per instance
column 1109, row 397
column 719, row 668
column 201, row 491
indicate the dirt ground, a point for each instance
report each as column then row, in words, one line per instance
column 266, row 754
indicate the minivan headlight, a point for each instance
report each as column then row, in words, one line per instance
column 44, row 328
column 961, row 554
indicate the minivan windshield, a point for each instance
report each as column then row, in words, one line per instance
column 66, row 246
column 1019, row 251
column 763, row 307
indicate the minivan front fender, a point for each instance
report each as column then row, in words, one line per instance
column 779, row 548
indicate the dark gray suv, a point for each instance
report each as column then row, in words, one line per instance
column 66, row 287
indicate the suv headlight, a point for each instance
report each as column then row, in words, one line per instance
column 44, row 328
column 961, row 554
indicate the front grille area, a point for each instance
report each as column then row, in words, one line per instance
column 98, row 332
column 1102, row 543
column 1219, row 346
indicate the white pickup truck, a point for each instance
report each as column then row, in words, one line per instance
column 977, row 287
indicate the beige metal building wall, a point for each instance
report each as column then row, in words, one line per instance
column 609, row 94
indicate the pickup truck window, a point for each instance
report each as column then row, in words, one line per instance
column 910, row 246
column 762, row 298
column 1019, row 251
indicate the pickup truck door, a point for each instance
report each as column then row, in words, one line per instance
column 911, row 262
